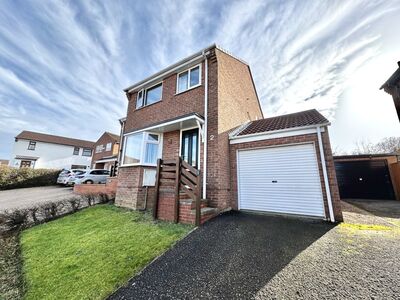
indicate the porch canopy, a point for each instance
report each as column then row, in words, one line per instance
column 106, row 159
column 182, row 122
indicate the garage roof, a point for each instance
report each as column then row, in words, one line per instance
column 299, row 119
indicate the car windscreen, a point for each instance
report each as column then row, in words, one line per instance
column 79, row 172
column 64, row 172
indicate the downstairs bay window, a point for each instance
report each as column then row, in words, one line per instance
column 142, row 148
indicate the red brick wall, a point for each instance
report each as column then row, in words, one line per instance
column 294, row 140
column 171, row 144
column 232, row 101
column 110, row 188
column 171, row 106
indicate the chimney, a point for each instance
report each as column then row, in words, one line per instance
column 398, row 63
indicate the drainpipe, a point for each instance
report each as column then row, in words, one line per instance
column 121, row 141
column 205, row 126
column 325, row 173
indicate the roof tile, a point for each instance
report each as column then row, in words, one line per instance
column 299, row 119
column 54, row 139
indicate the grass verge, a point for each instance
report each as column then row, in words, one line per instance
column 93, row 252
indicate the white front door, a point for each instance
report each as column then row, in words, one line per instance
column 281, row 179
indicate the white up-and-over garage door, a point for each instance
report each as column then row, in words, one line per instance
column 281, row 179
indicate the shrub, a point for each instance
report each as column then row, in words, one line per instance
column 11, row 178
column 51, row 210
column 15, row 220
column 75, row 203
column 34, row 214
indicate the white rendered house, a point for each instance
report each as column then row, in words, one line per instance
column 38, row 150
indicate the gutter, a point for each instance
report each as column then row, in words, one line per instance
column 325, row 173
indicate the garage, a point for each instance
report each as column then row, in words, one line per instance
column 281, row 179
column 284, row 165
column 367, row 176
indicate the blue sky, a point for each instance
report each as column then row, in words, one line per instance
column 63, row 64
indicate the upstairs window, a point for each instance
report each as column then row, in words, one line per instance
column 76, row 150
column 32, row 145
column 99, row 148
column 189, row 79
column 149, row 96
column 108, row 147
column 142, row 148
column 87, row 152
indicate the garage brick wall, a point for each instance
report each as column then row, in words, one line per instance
column 294, row 140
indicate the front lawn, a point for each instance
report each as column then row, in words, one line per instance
column 91, row 253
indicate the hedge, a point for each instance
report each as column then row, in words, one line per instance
column 12, row 178
column 12, row 221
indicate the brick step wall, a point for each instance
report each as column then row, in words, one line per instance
column 187, row 212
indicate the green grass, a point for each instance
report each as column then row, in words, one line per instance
column 91, row 253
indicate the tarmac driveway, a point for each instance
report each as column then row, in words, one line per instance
column 246, row 256
column 231, row 257
column 19, row 198
column 381, row 208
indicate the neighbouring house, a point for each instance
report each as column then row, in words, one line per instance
column 196, row 142
column 106, row 150
column 4, row 162
column 39, row 150
column 392, row 87
column 368, row 176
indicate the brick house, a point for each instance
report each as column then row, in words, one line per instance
column 392, row 87
column 205, row 110
column 106, row 149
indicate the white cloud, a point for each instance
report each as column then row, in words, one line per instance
column 67, row 62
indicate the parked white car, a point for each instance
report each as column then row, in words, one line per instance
column 90, row 177
column 68, row 175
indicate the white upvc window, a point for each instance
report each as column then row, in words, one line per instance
column 99, row 148
column 188, row 79
column 142, row 148
column 108, row 146
column 149, row 95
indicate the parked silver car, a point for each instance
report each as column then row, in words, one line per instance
column 68, row 175
column 91, row 176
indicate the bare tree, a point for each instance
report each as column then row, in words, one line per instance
column 386, row 145
column 364, row 147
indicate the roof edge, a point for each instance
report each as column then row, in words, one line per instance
column 188, row 59
column 239, row 129
column 280, row 130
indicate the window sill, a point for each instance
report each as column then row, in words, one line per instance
column 189, row 89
